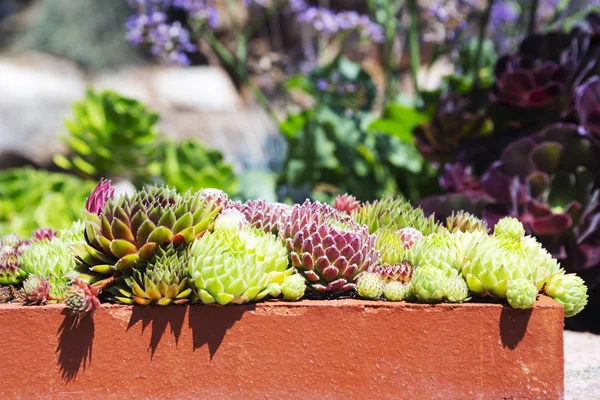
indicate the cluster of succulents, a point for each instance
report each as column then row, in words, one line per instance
column 160, row 247
column 539, row 161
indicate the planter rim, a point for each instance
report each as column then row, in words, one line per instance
column 542, row 302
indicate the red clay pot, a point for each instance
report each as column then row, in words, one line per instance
column 345, row 349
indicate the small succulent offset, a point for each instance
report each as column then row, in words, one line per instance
column 82, row 300
column 293, row 287
column 36, row 289
column 428, row 284
column 103, row 192
column 569, row 290
column 162, row 281
column 346, row 203
column 370, row 285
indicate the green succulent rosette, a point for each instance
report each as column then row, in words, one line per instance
column 130, row 229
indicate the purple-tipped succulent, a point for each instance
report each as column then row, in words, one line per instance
column 103, row 192
column 346, row 203
column 264, row 215
column 37, row 289
column 328, row 249
column 43, row 234
column 457, row 118
column 588, row 108
column 538, row 83
column 215, row 196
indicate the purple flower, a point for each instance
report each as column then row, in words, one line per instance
column 503, row 12
column 329, row 23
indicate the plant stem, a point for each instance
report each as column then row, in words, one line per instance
column 532, row 15
column 485, row 19
column 104, row 283
column 414, row 50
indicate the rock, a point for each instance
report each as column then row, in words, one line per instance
column 39, row 91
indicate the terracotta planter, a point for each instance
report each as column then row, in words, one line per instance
column 346, row 349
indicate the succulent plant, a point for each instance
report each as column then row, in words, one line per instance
column 390, row 246
column 220, row 273
column 230, row 219
column 394, row 213
column 110, row 135
column 428, row 284
column 521, row 293
column 293, row 287
column 54, row 259
column 216, row 196
column 510, row 228
column 328, row 249
column 439, row 250
column 492, row 266
column 82, row 299
column 456, row 290
column 537, row 84
column 10, row 273
column 36, row 289
column 103, row 192
column 409, row 236
column 370, row 285
column 163, row 281
column 396, row 291
column 264, row 215
column 569, row 290
column 188, row 165
column 465, row 222
column 43, row 234
column 346, row 203
column 458, row 118
column 131, row 229
column 11, row 240
column 588, row 108
column 399, row 272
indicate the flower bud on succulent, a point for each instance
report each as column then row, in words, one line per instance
column 346, row 203
column 370, row 285
column 230, row 219
column 428, row 284
column 293, row 287
column 395, row 291
column 569, row 290
column 103, row 192
column 521, row 293
column 465, row 222
column 456, row 290
column 36, row 289
column 510, row 228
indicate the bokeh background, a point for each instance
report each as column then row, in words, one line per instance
column 488, row 106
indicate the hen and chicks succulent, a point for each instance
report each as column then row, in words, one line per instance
column 160, row 247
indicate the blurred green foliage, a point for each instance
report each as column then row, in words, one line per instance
column 31, row 199
column 110, row 136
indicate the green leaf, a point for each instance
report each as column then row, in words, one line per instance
column 399, row 121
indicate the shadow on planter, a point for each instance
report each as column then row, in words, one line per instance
column 513, row 325
column 160, row 318
column 74, row 345
column 209, row 324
